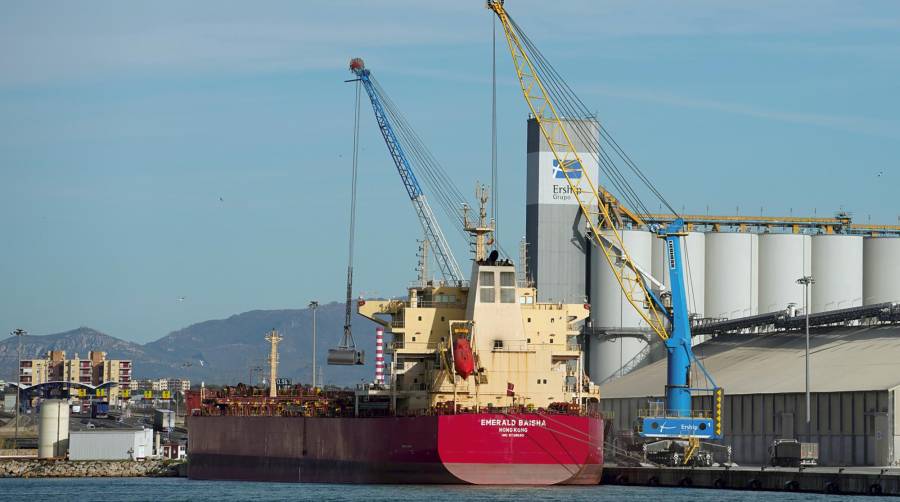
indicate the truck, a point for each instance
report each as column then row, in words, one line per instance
column 793, row 453
column 99, row 409
column 163, row 420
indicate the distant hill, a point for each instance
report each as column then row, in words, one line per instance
column 221, row 351
column 77, row 341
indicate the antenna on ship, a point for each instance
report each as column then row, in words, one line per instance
column 481, row 229
column 346, row 353
column 422, row 266
column 273, row 338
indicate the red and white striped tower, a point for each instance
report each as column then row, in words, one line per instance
column 379, row 355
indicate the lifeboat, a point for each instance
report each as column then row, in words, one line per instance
column 463, row 359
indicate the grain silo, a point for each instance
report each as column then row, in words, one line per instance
column 694, row 254
column 732, row 279
column 881, row 270
column 837, row 268
column 783, row 258
column 618, row 330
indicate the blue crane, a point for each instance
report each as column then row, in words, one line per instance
column 677, row 419
column 450, row 270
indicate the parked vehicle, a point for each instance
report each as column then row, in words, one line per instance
column 99, row 409
column 793, row 453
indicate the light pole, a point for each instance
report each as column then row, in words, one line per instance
column 806, row 281
column 314, row 306
column 18, row 333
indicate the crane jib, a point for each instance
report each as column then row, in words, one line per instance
column 447, row 264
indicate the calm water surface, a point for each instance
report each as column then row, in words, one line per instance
column 177, row 489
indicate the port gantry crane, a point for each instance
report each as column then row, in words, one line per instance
column 450, row 270
column 554, row 106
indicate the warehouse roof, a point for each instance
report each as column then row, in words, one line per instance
column 841, row 359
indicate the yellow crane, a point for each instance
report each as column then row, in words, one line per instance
column 604, row 214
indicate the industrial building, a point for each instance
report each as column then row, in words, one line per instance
column 736, row 267
column 554, row 228
column 855, row 386
column 111, row 444
column 739, row 274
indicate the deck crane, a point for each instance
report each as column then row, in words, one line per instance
column 552, row 104
column 440, row 248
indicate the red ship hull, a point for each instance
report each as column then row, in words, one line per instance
column 481, row 448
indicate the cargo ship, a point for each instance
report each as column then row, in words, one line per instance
column 485, row 385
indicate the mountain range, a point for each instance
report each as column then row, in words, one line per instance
column 221, row 351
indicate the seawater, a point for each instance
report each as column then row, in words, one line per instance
column 180, row 489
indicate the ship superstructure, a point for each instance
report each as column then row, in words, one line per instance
column 525, row 353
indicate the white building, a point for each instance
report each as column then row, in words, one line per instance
column 111, row 444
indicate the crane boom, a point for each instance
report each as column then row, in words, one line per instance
column 602, row 211
column 441, row 249
column 605, row 216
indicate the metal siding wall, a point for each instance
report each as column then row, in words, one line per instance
column 859, row 427
column 842, row 423
column 557, row 248
column 895, row 411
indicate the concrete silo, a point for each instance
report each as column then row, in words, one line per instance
column 837, row 268
column 783, row 258
column 881, row 270
column 619, row 332
column 694, row 253
column 732, row 278
column 53, row 429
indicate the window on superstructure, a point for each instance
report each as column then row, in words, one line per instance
column 507, row 287
column 445, row 298
column 487, row 287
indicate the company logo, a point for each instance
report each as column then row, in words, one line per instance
column 664, row 427
column 574, row 170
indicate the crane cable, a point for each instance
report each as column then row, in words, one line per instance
column 495, row 195
column 571, row 105
column 448, row 196
column 554, row 84
column 347, row 340
column 567, row 102
column 445, row 192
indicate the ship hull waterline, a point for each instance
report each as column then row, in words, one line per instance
column 477, row 448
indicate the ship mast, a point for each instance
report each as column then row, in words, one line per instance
column 480, row 230
column 273, row 338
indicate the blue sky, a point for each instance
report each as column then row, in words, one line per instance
column 123, row 124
